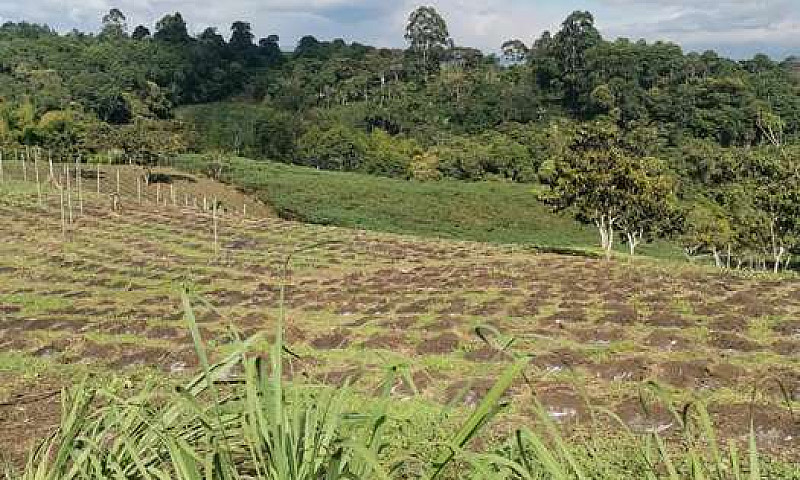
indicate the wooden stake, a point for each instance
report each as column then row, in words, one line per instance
column 1, row 167
column 97, row 168
column 172, row 194
column 205, row 204
column 69, row 195
column 139, row 189
column 24, row 168
column 158, row 193
column 79, row 178
column 244, row 209
column 63, row 216
column 214, row 217
column 117, row 180
column 38, row 185
column 50, row 160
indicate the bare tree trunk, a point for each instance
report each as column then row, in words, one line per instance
column 634, row 240
column 717, row 257
column 729, row 256
column 778, row 258
column 605, row 225
column 610, row 238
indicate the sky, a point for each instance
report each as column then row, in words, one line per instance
column 735, row 28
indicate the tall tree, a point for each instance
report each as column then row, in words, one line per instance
column 210, row 37
column 428, row 36
column 577, row 35
column 140, row 33
column 241, row 36
column 514, row 51
column 114, row 25
column 172, row 29
column 269, row 49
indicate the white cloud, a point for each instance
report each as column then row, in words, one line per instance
column 734, row 26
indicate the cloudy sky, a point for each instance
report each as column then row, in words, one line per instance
column 738, row 28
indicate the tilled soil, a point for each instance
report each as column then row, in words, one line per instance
column 105, row 296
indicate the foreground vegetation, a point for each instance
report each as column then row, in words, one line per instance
column 428, row 321
column 254, row 425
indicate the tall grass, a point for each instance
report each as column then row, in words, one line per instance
column 262, row 427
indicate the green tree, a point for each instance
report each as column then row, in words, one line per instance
column 601, row 183
column 172, row 29
column 241, row 36
column 140, row 33
column 428, row 36
column 337, row 148
column 570, row 46
column 114, row 25
column 514, row 51
column 708, row 228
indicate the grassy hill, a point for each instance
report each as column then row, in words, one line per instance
column 495, row 212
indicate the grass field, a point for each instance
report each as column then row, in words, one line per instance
column 105, row 300
column 496, row 212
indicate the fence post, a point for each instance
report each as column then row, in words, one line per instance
column 158, row 193
column 139, row 189
column 79, row 178
column 24, row 167
column 50, row 160
column 63, row 215
column 1, row 168
column 38, row 185
column 214, row 217
column 118, row 191
column 69, row 194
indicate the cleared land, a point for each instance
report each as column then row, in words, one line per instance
column 105, row 300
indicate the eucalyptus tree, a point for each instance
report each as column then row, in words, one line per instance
column 114, row 25
column 428, row 37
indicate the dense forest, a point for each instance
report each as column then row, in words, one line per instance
column 640, row 139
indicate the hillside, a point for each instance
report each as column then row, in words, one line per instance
column 105, row 300
column 649, row 140
column 495, row 212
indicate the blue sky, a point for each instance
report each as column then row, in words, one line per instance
column 738, row 28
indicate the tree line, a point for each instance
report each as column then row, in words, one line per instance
column 640, row 139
